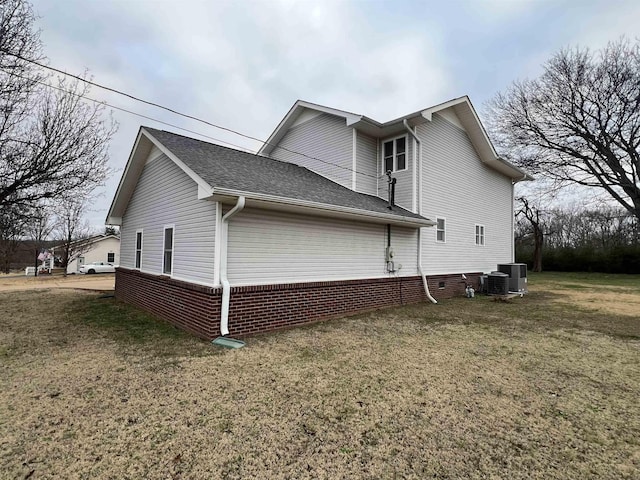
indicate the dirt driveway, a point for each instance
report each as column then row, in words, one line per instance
column 99, row 282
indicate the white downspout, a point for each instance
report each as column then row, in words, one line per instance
column 226, row 287
column 419, row 157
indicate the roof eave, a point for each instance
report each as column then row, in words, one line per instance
column 135, row 164
column 479, row 137
column 290, row 117
column 319, row 209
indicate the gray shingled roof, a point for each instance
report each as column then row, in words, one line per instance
column 223, row 167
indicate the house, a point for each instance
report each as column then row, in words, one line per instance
column 219, row 241
column 99, row 248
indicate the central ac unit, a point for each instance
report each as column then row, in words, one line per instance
column 517, row 276
column 497, row 283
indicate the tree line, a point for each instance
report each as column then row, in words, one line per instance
column 603, row 239
column 53, row 143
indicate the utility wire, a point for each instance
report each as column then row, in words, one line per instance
column 102, row 102
column 119, row 92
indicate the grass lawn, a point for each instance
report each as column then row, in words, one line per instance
column 546, row 387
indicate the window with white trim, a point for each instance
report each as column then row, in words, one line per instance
column 138, row 262
column 479, row 234
column 167, row 262
column 394, row 154
column 441, row 230
column 111, row 257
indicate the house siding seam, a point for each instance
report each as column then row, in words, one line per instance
column 263, row 308
column 166, row 195
column 325, row 137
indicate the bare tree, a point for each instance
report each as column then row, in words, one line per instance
column 579, row 121
column 72, row 229
column 52, row 142
column 111, row 230
column 534, row 219
column 38, row 229
column 12, row 226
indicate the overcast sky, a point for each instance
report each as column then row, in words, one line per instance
column 242, row 65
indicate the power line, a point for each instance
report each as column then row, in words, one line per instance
column 102, row 102
column 119, row 92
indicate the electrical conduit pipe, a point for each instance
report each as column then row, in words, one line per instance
column 416, row 158
column 226, row 287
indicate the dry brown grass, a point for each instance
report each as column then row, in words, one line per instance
column 540, row 387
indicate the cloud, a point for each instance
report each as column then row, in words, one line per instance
column 242, row 64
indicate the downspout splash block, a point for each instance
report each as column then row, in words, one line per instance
column 227, row 342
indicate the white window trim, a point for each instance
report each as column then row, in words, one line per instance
column 443, row 230
column 173, row 246
column 135, row 248
column 477, row 235
column 395, row 160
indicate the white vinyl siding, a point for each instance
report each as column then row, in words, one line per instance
column 460, row 188
column 166, row 195
column 328, row 140
column 366, row 164
column 404, row 184
column 268, row 247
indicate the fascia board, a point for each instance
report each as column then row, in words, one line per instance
column 519, row 175
column 114, row 221
column 290, row 117
column 134, row 168
column 117, row 198
column 323, row 209
column 89, row 241
column 477, row 131
column 204, row 189
column 268, row 145
column 428, row 112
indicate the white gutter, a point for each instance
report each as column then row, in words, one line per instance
column 419, row 157
column 226, row 287
column 365, row 215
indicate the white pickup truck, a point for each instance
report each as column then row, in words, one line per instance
column 98, row 267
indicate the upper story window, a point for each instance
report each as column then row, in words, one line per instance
column 167, row 264
column 441, row 230
column 111, row 257
column 138, row 261
column 394, row 154
column 479, row 234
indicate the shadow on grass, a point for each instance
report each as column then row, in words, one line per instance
column 131, row 328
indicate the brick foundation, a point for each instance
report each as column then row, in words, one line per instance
column 261, row 308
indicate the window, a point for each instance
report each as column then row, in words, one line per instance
column 138, row 249
column 479, row 234
column 440, row 230
column 394, row 154
column 167, row 263
column 111, row 257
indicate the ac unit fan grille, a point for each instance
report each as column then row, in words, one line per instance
column 498, row 285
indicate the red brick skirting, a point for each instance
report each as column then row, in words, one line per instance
column 261, row 308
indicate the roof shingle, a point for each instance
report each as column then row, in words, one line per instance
column 223, row 167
